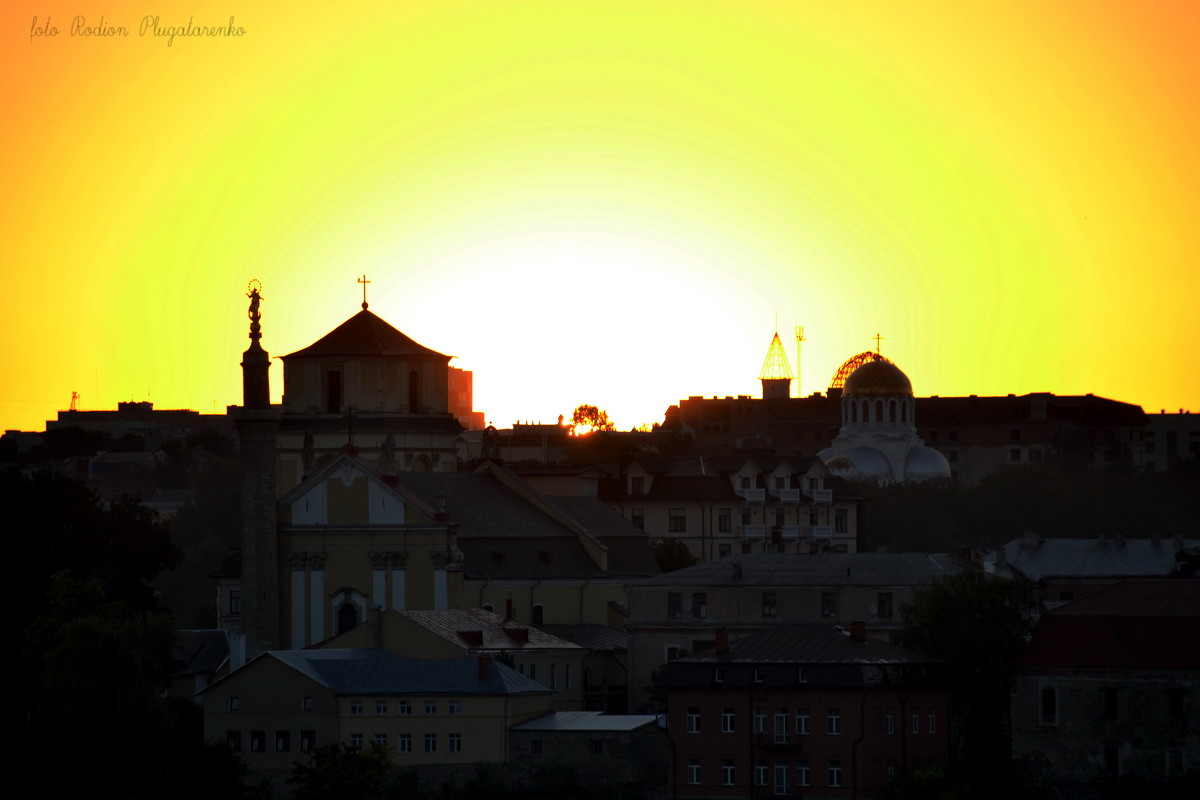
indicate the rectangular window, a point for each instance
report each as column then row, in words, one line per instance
column 405, row 743
column 1049, row 706
column 883, row 605
column 677, row 520
column 700, row 605
column 770, row 609
column 637, row 485
column 781, row 777
column 356, row 707
column 760, row 773
column 235, row 703
column 554, row 676
column 381, row 706
column 829, row 604
column 724, row 550
column 308, row 740
column 728, row 720
column 758, row 675
column 455, row 743
column 356, row 742
column 638, row 517
column 404, row 707
column 841, row 520
column 724, row 520
column 932, row 722
column 889, row 721
column 431, row 743
column 814, row 517
column 781, row 726
column 1014, row 455
column 567, row 676
column 833, row 772
column 694, row 771
column 454, row 706
column 693, row 719
column 234, row 740
column 780, row 516
column 916, row 721
column 235, row 601
column 258, row 741
column 803, row 722
column 535, row 747
column 431, row 706
column 833, row 721
column 381, row 740
column 283, row 741
column 674, row 605
column 803, row 774
column 309, row 703
column 747, row 516
column 533, row 672
column 760, row 720
column 728, row 775
column 596, row 747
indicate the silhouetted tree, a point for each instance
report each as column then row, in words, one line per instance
column 337, row 771
column 672, row 554
column 591, row 418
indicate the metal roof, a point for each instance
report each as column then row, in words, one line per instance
column 1037, row 559
column 810, row 643
column 587, row 721
column 821, row 569
column 365, row 335
column 493, row 629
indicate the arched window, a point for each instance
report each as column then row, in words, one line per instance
column 879, row 411
column 347, row 617
column 891, row 410
column 852, row 405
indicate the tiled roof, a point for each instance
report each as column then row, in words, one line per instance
column 365, row 334
column 496, row 632
column 587, row 721
column 818, row 569
column 380, row 672
column 1091, row 558
column 594, row 516
column 810, row 644
column 593, row 637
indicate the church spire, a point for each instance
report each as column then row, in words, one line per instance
column 256, row 383
column 776, row 375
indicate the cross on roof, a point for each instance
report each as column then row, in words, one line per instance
column 363, row 280
column 876, row 337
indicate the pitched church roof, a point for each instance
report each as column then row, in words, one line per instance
column 365, row 334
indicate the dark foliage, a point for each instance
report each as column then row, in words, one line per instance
column 672, row 554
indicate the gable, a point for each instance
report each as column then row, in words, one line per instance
column 345, row 493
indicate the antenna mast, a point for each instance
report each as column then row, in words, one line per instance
column 799, row 340
column 74, row 401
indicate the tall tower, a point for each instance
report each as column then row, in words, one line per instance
column 776, row 375
column 799, row 341
column 257, row 423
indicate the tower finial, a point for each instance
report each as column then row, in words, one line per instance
column 363, row 280
column 255, row 295
column 878, row 338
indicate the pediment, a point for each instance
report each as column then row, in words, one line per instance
column 345, row 492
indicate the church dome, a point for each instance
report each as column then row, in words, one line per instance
column 925, row 463
column 878, row 377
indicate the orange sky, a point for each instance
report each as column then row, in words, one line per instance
column 603, row 203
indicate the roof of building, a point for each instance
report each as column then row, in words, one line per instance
column 1161, row 598
column 199, row 652
column 810, row 643
column 878, row 377
column 593, row 637
column 1039, row 559
column 587, row 721
column 365, row 335
column 818, row 569
column 480, row 630
column 381, row 672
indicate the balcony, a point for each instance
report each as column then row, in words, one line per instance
column 754, row 532
column 788, row 495
column 753, row 495
column 820, row 531
column 789, row 533
column 822, row 496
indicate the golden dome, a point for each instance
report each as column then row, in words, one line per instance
column 878, row 377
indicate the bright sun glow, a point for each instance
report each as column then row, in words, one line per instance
column 604, row 203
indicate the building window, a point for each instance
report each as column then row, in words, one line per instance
column 728, row 720
column 1049, row 706
column 829, row 604
column 699, row 605
column 258, row 741
column 308, row 704
column 356, row 707
column 235, row 601
column 781, row 726
column 381, row 706
column 637, row 485
column 724, row 549
column 235, row 703
column 803, row 721
column 841, row 520
column 758, row 674
column 760, row 720
column 814, row 517
column 718, row 675
column 554, row 676
column 883, row 605
column 760, row 773
column 308, row 740
column 770, row 609
column 724, row 520
column 833, row 721
column 405, row 744
column 431, row 743
column 781, row 777
column 455, row 743
column 916, row 721
column 234, row 740
column 431, row 706
column 381, row 740
column 283, row 741
column 567, row 676
column 889, row 723
column 1014, row 455
column 747, row 516
column 833, row 772
column 801, row 675
column 727, row 773
column 932, row 721
column 674, row 605
column 781, row 516
column 891, row 771
column 693, row 719
column 694, row 771
column 596, row 747
column 638, row 517
column 404, row 707
column 454, row 706
column 803, row 774
column 677, row 520
column 539, row 615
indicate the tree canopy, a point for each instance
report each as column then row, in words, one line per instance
column 587, row 419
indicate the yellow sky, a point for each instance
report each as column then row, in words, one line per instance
column 603, row 203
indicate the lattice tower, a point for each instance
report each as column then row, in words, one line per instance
column 775, row 366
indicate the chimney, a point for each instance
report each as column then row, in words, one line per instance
column 518, row 635
column 858, row 629
column 722, row 645
column 485, row 667
column 508, row 609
